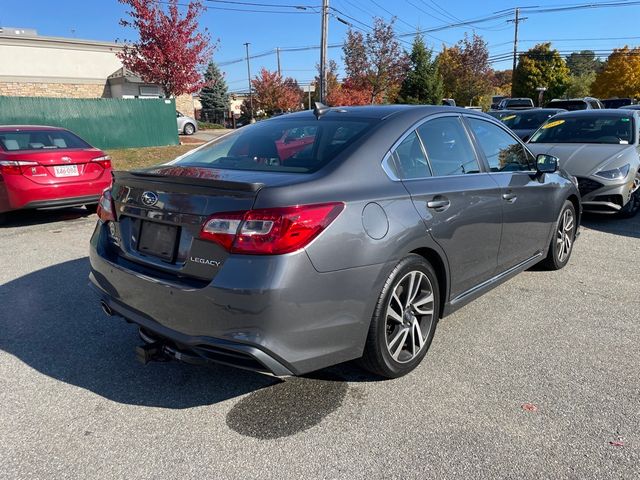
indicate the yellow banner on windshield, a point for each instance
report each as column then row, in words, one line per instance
column 555, row 123
column 508, row 117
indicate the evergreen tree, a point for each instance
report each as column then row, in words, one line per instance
column 215, row 95
column 423, row 83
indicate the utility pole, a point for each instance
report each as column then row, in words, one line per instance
column 252, row 120
column 516, row 21
column 278, row 55
column 323, row 51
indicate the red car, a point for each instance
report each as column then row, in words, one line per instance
column 44, row 167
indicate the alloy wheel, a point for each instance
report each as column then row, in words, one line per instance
column 409, row 316
column 564, row 236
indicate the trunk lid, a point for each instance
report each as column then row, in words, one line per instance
column 60, row 166
column 161, row 210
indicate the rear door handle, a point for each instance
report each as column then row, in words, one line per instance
column 441, row 203
column 509, row 197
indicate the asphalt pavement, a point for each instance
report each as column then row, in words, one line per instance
column 537, row 379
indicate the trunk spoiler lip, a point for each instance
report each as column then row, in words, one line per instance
column 187, row 180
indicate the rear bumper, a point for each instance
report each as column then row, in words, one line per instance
column 18, row 192
column 266, row 313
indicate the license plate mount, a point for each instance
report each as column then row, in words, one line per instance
column 158, row 240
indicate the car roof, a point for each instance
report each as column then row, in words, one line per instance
column 16, row 128
column 375, row 112
column 600, row 112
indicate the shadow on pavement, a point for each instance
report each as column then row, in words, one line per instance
column 52, row 322
column 628, row 227
column 24, row 218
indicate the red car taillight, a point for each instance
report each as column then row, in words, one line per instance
column 104, row 161
column 106, row 208
column 13, row 167
column 270, row 231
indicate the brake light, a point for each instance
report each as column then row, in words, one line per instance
column 104, row 161
column 270, row 231
column 13, row 167
column 106, row 208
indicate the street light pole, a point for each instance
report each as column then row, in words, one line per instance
column 251, row 119
column 323, row 51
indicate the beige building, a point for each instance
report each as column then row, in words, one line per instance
column 36, row 66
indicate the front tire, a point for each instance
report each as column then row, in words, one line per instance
column 562, row 242
column 404, row 321
column 632, row 207
column 189, row 129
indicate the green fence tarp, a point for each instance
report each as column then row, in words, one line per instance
column 103, row 122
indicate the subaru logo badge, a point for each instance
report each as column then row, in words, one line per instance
column 149, row 198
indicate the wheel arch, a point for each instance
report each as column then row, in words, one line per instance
column 438, row 264
column 573, row 198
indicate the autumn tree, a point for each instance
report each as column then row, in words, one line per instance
column 375, row 63
column 274, row 94
column 170, row 51
column 215, row 95
column 501, row 82
column 423, row 84
column 620, row 76
column 541, row 66
column 465, row 69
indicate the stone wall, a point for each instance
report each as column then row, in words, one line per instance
column 185, row 105
column 58, row 90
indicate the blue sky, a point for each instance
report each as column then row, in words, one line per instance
column 598, row 29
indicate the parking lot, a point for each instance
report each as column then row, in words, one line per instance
column 537, row 379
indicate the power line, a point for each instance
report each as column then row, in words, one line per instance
column 254, row 4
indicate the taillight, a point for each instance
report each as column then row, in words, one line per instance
column 13, row 167
column 104, row 161
column 106, row 208
column 271, row 230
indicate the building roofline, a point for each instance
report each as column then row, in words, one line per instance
column 56, row 42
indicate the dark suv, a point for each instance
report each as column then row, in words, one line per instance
column 351, row 245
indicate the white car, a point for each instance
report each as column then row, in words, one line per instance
column 186, row 125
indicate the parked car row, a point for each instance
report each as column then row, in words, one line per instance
column 500, row 103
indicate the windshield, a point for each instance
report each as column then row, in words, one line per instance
column 571, row 105
column 296, row 145
column 529, row 120
column 586, row 129
column 40, row 140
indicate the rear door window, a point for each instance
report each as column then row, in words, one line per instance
column 448, row 147
column 501, row 149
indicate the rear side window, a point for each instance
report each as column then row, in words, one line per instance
column 448, row 147
column 40, row 140
column 410, row 160
column 297, row 146
column 503, row 152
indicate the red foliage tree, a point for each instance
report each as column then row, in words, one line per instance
column 170, row 51
column 274, row 94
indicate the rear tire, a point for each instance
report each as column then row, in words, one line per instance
column 404, row 320
column 189, row 129
column 564, row 235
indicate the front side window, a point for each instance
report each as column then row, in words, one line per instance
column 296, row 146
column 448, row 147
column 409, row 159
column 503, row 152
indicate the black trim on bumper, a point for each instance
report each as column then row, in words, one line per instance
column 62, row 202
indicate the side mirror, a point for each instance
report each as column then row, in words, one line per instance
column 546, row 163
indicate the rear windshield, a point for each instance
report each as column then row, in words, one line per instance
column 586, row 129
column 302, row 146
column 519, row 103
column 571, row 105
column 616, row 102
column 529, row 120
column 40, row 140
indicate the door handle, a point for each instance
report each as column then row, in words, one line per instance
column 510, row 197
column 440, row 204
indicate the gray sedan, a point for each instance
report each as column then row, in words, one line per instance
column 288, row 257
column 186, row 125
column 599, row 147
